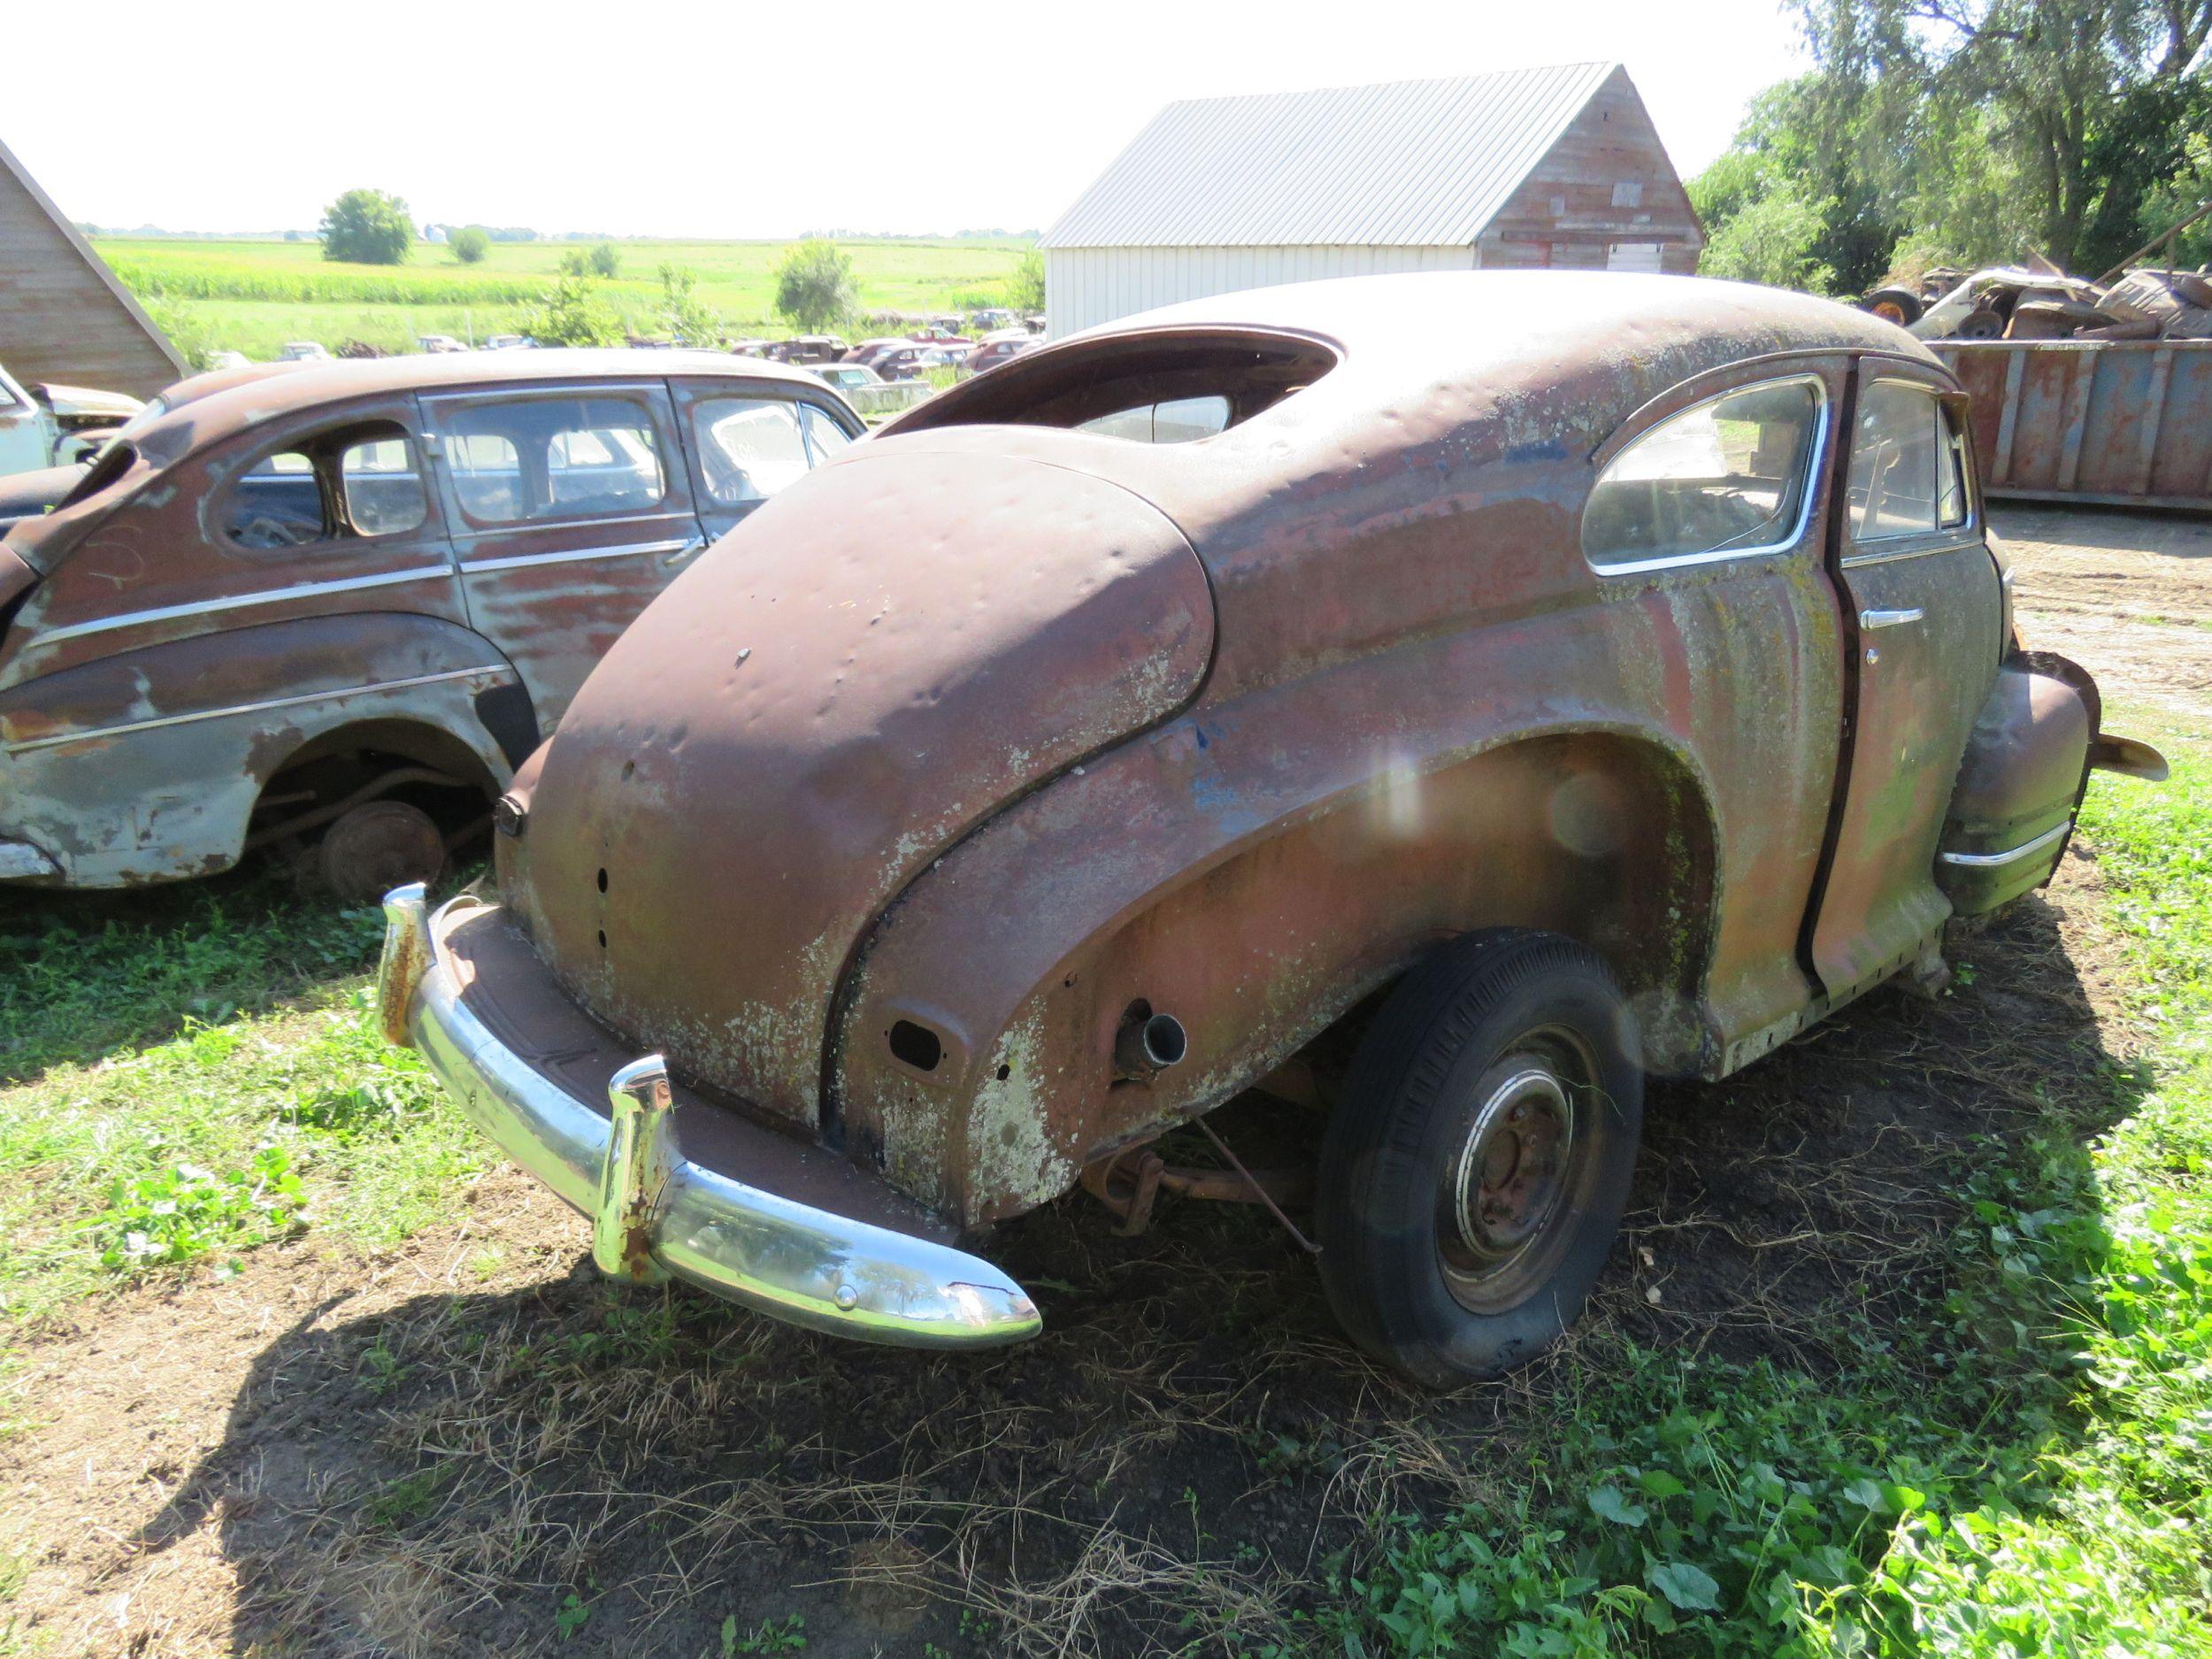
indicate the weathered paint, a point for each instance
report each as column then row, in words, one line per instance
column 903, row 753
column 155, row 677
column 2123, row 422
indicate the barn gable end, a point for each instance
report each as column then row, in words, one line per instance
column 64, row 316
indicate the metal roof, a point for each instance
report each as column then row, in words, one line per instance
column 1405, row 163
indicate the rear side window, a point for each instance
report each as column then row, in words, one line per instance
column 749, row 447
column 1724, row 478
column 824, row 436
column 526, row 459
column 1180, row 420
column 1907, row 464
column 277, row 503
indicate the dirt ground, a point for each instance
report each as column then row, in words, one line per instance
column 472, row 1445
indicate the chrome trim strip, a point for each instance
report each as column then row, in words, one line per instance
column 1816, row 463
column 1852, row 561
column 628, row 549
column 500, row 670
column 1993, row 861
column 789, row 1260
column 239, row 602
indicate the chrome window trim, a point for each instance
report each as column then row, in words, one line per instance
column 1816, row 460
column 496, row 669
column 627, row 550
column 1947, row 543
column 240, row 602
column 1946, row 535
column 2011, row 856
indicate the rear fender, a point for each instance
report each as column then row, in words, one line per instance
column 146, row 765
column 1155, row 878
column 2020, row 782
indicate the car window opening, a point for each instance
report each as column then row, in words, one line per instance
column 359, row 480
column 1726, row 476
column 1173, row 388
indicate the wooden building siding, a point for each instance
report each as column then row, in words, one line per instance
column 63, row 315
column 1607, row 180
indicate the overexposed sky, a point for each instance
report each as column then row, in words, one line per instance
column 685, row 118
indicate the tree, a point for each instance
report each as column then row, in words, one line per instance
column 605, row 261
column 367, row 227
column 1771, row 240
column 469, row 243
column 814, row 285
column 570, row 313
column 688, row 319
column 2076, row 97
column 1025, row 288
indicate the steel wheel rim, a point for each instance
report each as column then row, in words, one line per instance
column 1508, row 1185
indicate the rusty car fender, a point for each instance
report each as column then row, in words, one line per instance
column 145, row 765
column 1255, row 892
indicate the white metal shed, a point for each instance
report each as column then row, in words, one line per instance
column 1554, row 166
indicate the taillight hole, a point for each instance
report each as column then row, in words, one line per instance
column 918, row 1046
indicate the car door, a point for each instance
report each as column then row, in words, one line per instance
column 747, row 440
column 570, row 511
column 1923, row 613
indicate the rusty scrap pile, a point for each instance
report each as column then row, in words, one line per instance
column 2039, row 302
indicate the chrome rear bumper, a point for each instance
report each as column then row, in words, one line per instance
column 654, row 1214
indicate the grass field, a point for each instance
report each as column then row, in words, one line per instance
column 1907, row 1351
column 252, row 296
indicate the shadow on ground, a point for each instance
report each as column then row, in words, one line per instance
column 1186, row 1453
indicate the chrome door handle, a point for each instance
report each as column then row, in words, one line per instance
column 696, row 545
column 1889, row 618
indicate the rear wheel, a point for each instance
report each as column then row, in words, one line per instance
column 1475, row 1171
column 377, row 846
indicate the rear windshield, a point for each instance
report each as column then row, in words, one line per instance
column 1146, row 388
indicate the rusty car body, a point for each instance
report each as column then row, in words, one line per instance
column 345, row 599
column 1527, row 706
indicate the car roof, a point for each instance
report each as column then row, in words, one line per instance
column 259, row 393
column 1470, row 320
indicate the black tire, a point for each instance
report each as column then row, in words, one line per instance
column 1509, row 1060
column 1900, row 306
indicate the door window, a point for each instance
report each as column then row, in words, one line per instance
column 380, row 487
column 533, row 459
column 824, row 436
column 1907, row 464
column 749, row 447
column 1724, row 477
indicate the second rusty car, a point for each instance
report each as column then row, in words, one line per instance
column 338, row 604
column 1522, row 710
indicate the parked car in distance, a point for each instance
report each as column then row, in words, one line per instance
column 337, row 604
column 999, row 348
column 46, row 425
column 439, row 343
column 1184, row 705
column 304, row 352
column 509, row 342
column 227, row 360
column 29, row 494
column 807, row 348
column 869, row 392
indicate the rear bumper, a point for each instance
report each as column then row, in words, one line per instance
column 656, row 1214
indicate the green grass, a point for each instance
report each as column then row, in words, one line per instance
column 2028, row 1472
column 252, row 296
column 198, row 1080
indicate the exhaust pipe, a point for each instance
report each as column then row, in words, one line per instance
column 1149, row 1043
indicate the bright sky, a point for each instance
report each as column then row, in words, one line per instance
column 681, row 118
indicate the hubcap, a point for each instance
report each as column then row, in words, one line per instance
column 1509, row 1181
